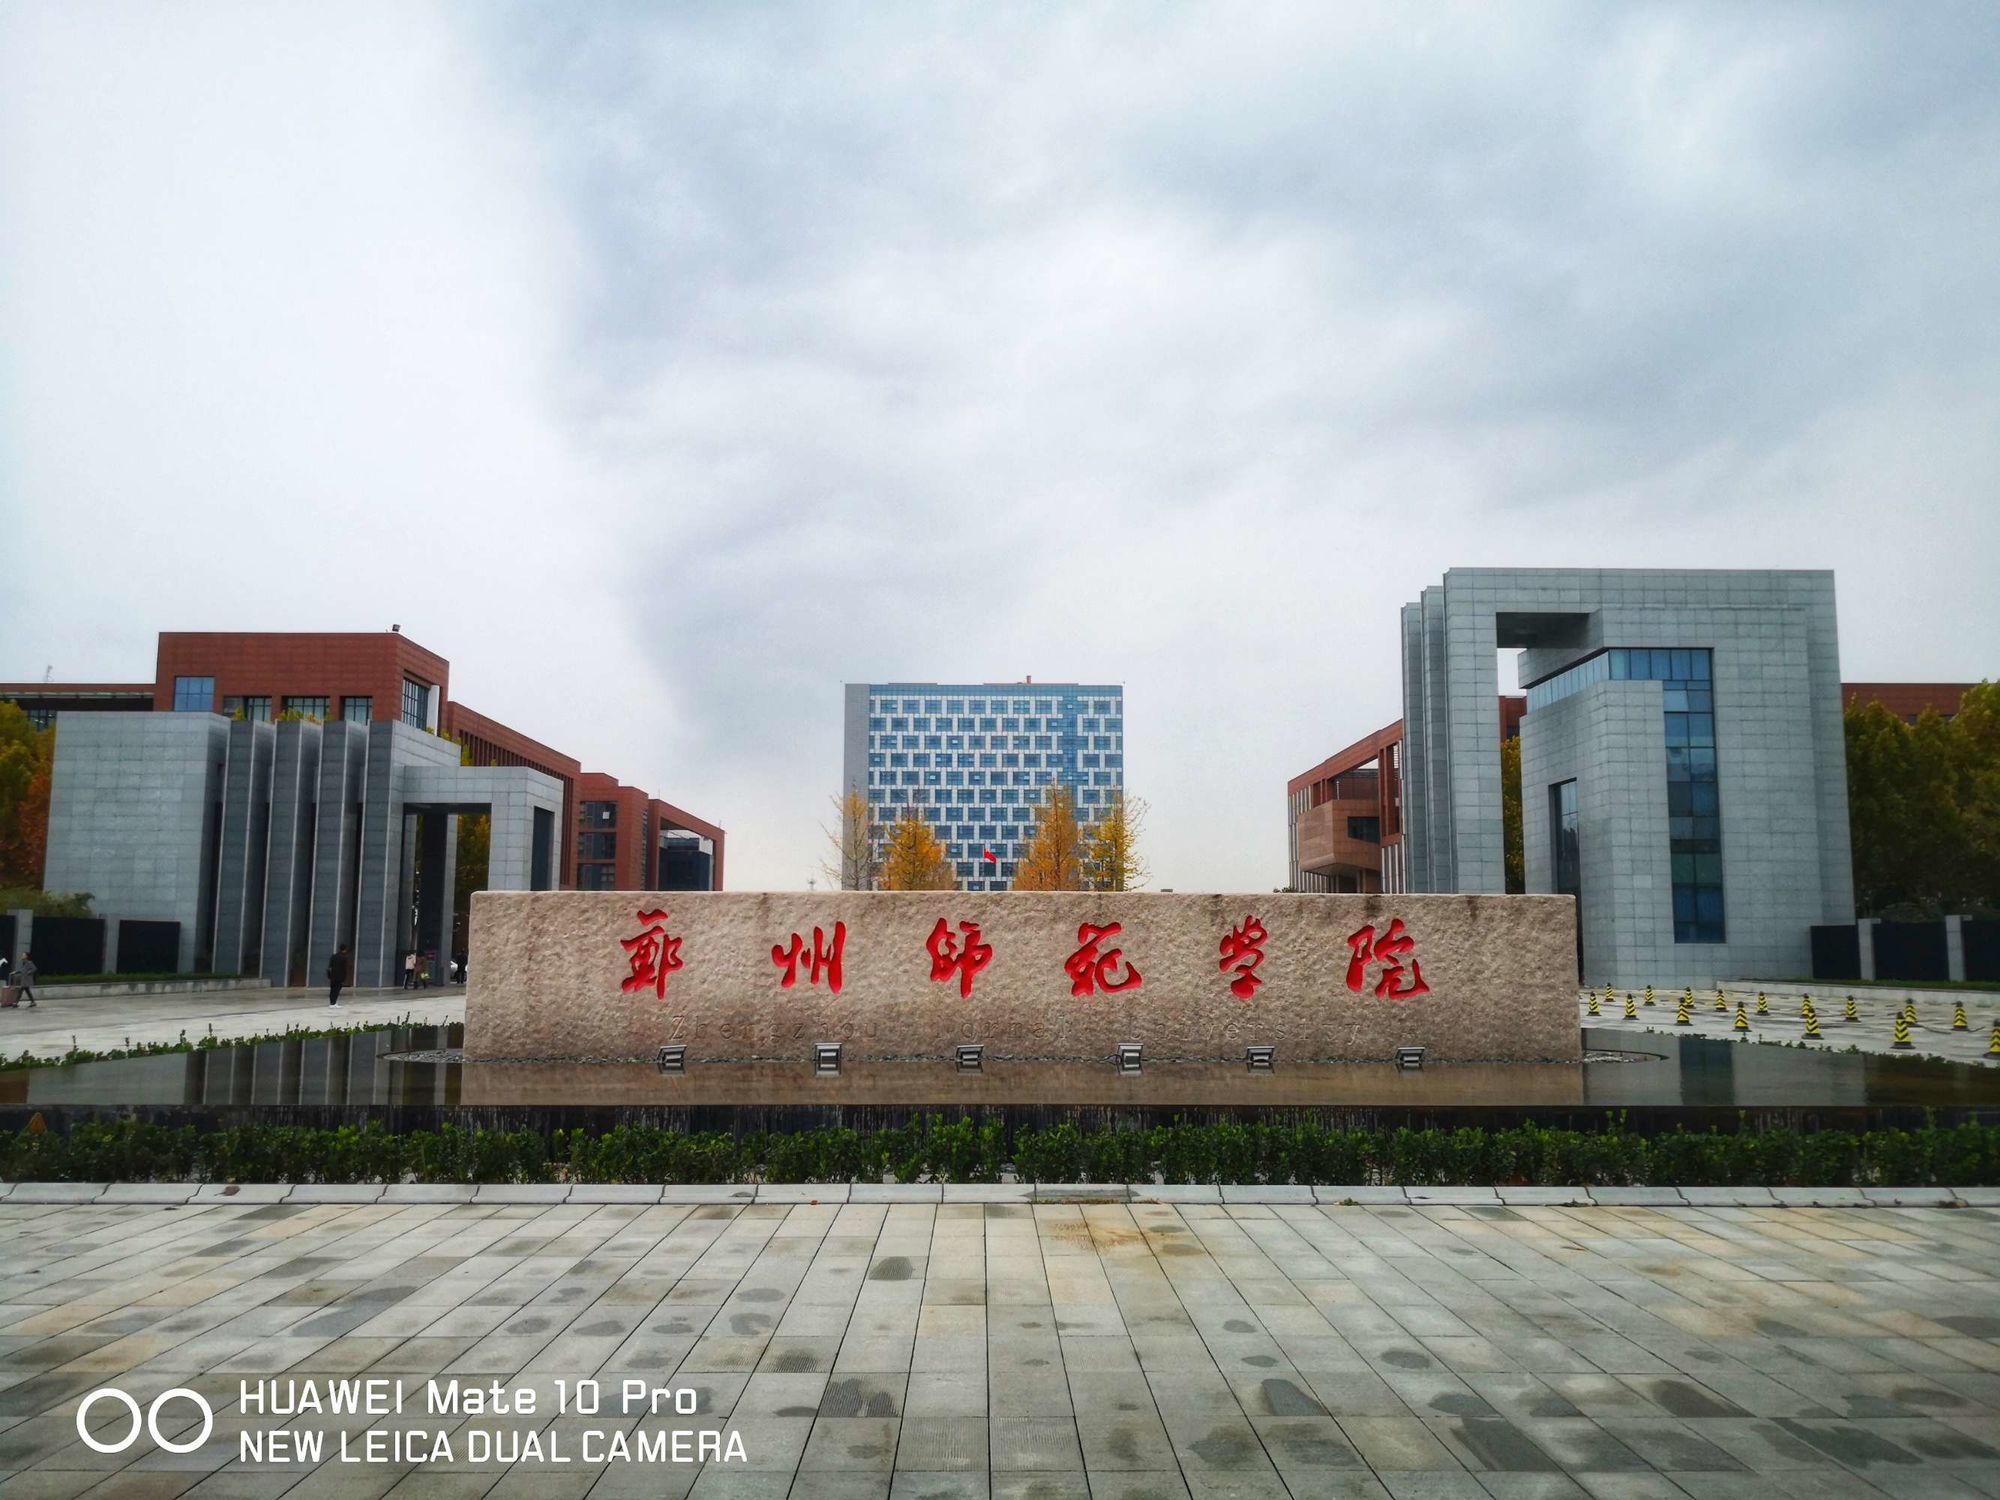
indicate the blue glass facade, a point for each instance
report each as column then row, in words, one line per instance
column 1694, row 812
column 974, row 758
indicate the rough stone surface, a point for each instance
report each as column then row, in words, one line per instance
column 548, row 971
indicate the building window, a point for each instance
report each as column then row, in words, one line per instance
column 596, row 878
column 194, row 695
column 416, row 704
column 1694, row 812
column 357, row 710
column 599, row 815
column 256, row 709
column 307, row 707
column 597, row 846
column 1367, row 830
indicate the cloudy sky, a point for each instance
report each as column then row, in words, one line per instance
column 665, row 367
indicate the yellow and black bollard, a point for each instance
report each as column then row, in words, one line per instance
column 1902, row 1037
column 1852, row 1013
column 1593, row 1004
column 1763, row 1005
column 1993, row 1046
column 1910, row 1011
column 1958, row 1021
column 1682, row 1016
column 1649, row 994
column 1720, row 1003
column 1742, row 1021
column 1631, row 1010
column 1812, row 1031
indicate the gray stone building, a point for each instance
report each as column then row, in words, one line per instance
column 274, row 844
column 1683, row 771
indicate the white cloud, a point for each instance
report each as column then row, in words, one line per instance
column 741, row 352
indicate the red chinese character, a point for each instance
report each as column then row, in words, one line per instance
column 1387, row 950
column 1242, row 948
column 653, row 955
column 822, row 957
column 1089, row 971
column 948, row 957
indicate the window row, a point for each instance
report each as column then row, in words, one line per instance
column 888, row 705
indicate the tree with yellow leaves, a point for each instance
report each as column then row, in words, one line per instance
column 1054, row 860
column 855, row 865
column 1111, row 851
column 913, row 859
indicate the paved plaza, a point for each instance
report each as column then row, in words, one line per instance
column 1063, row 1351
column 1873, row 1032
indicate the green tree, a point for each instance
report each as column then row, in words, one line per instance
column 27, row 755
column 1510, row 815
column 1923, row 806
column 469, row 874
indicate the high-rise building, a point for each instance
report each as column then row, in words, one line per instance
column 975, row 758
column 1683, row 769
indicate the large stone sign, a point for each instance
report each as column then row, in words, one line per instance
column 1048, row 975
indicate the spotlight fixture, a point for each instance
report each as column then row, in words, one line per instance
column 1128, row 1057
column 826, row 1057
column 1410, row 1059
column 673, row 1059
column 970, row 1057
column 1259, row 1059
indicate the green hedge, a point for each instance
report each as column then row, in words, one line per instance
column 938, row 1150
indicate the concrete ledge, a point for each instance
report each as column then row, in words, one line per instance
column 1453, row 1196
column 614, row 1192
column 522, row 1192
column 116, row 991
column 989, row 1192
column 430, row 1192
column 335, row 1192
column 708, row 1192
column 896, row 1192
column 1545, row 1197
column 1076, row 1192
column 1910, row 1197
column 1978, row 1197
column 225, row 1193
column 148, row 1192
column 1818, row 1197
column 57, row 1192
column 802, row 1192
column 1265, row 1192
column 1179, row 1192
column 1363, row 1194
column 1729, row 1197
column 1637, row 1197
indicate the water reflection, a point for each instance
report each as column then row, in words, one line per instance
column 373, row 1068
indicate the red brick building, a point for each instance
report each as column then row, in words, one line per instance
column 1906, row 700
column 385, row 677
column 1345, row 815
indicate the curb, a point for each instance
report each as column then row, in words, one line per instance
column 1227, row 1195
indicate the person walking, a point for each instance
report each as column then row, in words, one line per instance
column 23, row 979
column 410, row 970
column 336, row 974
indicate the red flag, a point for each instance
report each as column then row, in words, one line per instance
column 989, row 856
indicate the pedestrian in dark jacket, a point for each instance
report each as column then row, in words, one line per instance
column 336, row 974
column 23, row 979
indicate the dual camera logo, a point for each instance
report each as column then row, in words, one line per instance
column 150, row 1420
